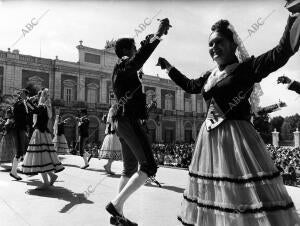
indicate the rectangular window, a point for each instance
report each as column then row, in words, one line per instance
column 68, row 95
column 199, row 106
column 91, row 96
column 92, row 58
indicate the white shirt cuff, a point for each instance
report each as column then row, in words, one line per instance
column 288, row 86
column 155, row 37
column 169, row 69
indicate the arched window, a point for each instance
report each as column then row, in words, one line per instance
column 168, row 102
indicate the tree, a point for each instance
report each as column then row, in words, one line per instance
column 276, row 123
column 290, row 124
column 262, row 125
column 286, row 130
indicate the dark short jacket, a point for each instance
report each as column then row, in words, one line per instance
column 126, row 82
column 84, row 127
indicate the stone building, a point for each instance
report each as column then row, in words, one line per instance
column 87, row 84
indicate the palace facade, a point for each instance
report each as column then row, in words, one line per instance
column 87, row 84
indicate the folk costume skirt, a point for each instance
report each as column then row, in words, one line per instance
column 61, row 145
column 111, row 148
column 233, row 181
column 41, row 156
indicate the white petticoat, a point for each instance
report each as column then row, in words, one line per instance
column 111, row 148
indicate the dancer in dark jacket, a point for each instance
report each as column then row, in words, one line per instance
column 131, row 108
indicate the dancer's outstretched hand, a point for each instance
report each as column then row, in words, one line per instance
column 283, row 79
column 163, row 63
column 163, row 27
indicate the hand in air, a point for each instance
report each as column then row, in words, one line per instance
column 163, row 63
column 283, row 79
column 163, row 27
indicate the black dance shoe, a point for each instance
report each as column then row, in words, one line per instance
column 16, row 177
column 117, row 218
column 85, row 166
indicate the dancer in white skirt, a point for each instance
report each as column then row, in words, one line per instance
column 232, row 178
column 111, row 146
column 41, row 156
column 59, row 140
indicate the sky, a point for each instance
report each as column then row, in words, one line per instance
column 57, row 26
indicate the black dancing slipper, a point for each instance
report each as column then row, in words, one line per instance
column 84, row 167
column 117, row 218
column 16, row 177
column 112, row 210
column 121, row 221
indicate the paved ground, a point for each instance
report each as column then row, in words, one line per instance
column 65, row 204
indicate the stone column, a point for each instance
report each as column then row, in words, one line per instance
column 178, row 132
column 57, row 85
column 297, row 138
column 103, row 91
column 194, row 130
column 81, row 89
column 275, row 138
column 158, row 96
column 194, row 109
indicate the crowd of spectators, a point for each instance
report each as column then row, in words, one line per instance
column 287, row 160
column 178, row 155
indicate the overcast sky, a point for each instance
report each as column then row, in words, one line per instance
column 64, row 23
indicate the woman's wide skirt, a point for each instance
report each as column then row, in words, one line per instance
column 234, row 182
column 8, row 147
column 61, row 145
column 41, row 156
column 111, row 148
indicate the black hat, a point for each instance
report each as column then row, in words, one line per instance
column 293, row 6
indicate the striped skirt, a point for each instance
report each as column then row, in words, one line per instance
column 61, row 145
column 234, row 182
column 41, row 156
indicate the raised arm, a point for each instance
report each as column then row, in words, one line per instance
column 147, row 47
column 144, row 52
column 188, row 85
column 274, row 59
column 295, row 86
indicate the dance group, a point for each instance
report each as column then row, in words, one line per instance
column 232, row 180
column 26, row 137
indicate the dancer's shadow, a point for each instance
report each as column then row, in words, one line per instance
column 88, row 169
column 167, row 187
column 5, row 168
column 114, row 175
column 71, row 165
column 71, row 197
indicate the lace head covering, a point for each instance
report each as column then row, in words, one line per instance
column 45, row 100
column 242, row 55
